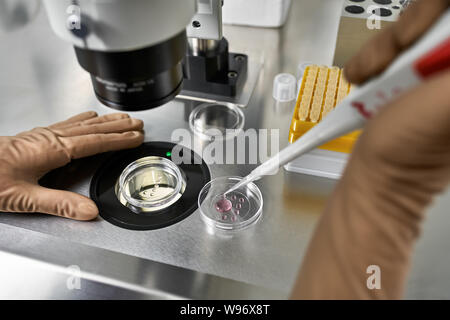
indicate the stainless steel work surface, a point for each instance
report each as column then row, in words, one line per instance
column 41, row 83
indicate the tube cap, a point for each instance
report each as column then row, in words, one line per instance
column 284, row 87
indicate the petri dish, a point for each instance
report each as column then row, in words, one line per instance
column 240, row 209
column 150, row 184
column 214, row 121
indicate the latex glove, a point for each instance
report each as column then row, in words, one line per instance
column 28, row 156
column 400, row 162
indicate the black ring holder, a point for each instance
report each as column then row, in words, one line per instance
column 102, row 189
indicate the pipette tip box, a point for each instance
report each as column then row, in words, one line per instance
column 321, row 89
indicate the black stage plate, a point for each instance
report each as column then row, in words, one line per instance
column 102, row 189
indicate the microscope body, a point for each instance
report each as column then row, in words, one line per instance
column 133, row 49
column 137, row 51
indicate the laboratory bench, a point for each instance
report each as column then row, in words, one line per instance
column 42, row 83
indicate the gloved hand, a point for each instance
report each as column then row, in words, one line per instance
column 28, row 156
column 400, row 162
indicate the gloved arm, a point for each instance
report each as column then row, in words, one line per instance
column 401, row 161
column 28, row 156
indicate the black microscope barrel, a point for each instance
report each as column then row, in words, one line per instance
column 136, row 80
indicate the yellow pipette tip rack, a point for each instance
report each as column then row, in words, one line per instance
column 321, row 90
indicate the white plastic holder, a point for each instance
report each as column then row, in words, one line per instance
column 256, row 13
column 321, row 163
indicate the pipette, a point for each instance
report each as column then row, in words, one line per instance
column 430, row 55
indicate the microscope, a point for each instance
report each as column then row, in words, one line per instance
column 142, row 53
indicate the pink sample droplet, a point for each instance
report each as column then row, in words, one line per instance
column 224, row 217
column 238, row 206
column 223, row 205
column 241, row 200
column 237, row 212
column 233, row 197
column 233, row 218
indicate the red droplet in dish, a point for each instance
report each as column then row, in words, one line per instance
column 223, row 205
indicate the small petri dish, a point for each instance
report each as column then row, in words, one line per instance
column 215, row 121
column 238, row 210
column 150, row 184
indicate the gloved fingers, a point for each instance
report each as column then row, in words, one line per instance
column 97, row 120
column 113, row 126
column 79, row 117
column 91, row 144
column 107, row 117
column 62, row 203
column 374, row 215
column 412, row 130
column 379, row 52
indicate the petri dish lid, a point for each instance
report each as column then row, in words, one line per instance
column 240, row 209
column 213, row 121
column 150, row 184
